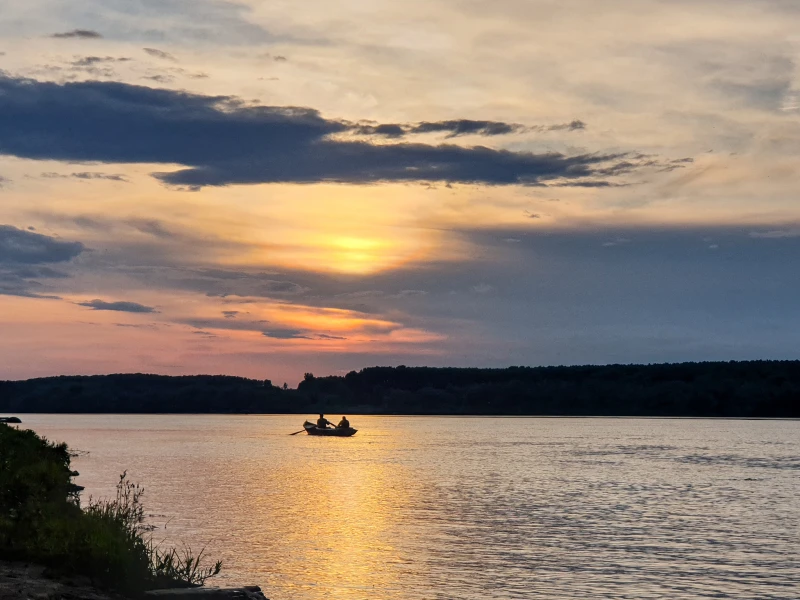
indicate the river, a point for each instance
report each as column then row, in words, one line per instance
column 415, row 508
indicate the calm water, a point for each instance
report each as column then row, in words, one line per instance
column 424, row 508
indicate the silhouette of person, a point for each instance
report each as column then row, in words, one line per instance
column 322, row 422
column 344, row 423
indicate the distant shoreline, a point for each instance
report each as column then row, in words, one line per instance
column 745, row 390
column 424, row 416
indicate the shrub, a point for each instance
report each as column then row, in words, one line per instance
column 41, row 521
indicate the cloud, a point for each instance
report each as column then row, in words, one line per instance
column 286, row 334
column 159, row 54
column 86, row 176
column 459, row 127
column 130, row 307
column 466, row 126
column 152, row 227
column 224, row 141
column 86, row 34
column 575, row 125
column 391, row 130
column 160, row 78
column 18, row 246
column 12, row 284
column 23, row 259
column 230, row 314
column 91, row 61
column 225, row 323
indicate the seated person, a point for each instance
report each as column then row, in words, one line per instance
column 344, row 424
column 322, row 422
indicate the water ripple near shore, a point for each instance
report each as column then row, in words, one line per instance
column 440, row 508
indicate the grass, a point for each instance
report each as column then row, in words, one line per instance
column 41, row 521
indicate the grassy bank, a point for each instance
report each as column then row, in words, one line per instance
column 42, row 521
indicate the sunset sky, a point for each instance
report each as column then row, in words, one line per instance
column 269, row 188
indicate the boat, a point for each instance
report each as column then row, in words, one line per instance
column 312, row 429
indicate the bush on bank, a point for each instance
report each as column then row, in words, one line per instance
column 41, row 521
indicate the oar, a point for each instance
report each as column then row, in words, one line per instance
column 296, row 432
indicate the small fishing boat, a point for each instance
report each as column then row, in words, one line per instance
column 312, row 429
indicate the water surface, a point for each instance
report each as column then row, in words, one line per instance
column 474, row 508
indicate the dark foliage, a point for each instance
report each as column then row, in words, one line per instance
column 718, row 389
column 41, row 521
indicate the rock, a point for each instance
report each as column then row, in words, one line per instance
column 248, row 592
column 22, row 581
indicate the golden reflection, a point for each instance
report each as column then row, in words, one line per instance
column 337, row 508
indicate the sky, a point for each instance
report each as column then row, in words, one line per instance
column 268, row 189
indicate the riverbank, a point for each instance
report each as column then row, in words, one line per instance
column 28, row 582
column 22, row 581
column 43, row 523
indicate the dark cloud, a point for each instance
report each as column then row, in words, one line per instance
column 206, row 334
column 286, row 334
column 11, row 284
column 575, row 125
column 3, row 181
column 78, row 33
column 225, row 141
column 589, row 184
column 91, row 61
column 218, row 283
column 18, row 246
column 230, row 314
column 108, row 176
column 23, row 259
column 40, row 272
column 160, row 78
column 130, row 307
column 466, row 126
column 459, row 127
column 159, row 54
column 391, row 130
column 225, row 323
column 85, row 175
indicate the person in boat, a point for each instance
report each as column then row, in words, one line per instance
column 322, row 422
column 343, row 424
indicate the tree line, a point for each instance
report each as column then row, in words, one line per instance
column 708, row 389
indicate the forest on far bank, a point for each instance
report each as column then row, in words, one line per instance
column 708, row 389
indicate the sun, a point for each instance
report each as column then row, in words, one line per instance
column 359, row 255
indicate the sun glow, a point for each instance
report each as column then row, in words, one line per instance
column 360, row 255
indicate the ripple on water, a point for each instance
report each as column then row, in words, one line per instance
column 435, row 508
